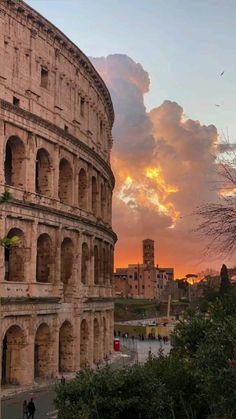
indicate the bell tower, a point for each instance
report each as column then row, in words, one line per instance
column 148, row 252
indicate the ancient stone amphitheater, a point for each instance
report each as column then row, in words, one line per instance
column 56, row 117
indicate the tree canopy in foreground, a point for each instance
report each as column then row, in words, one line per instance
column 196, row 381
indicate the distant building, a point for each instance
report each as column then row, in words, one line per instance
column 148, row 252
column 144, row 280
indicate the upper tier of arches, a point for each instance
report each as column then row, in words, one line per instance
column 59, row 176
column 48, row 75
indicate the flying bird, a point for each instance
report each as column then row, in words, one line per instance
column 221, row 74
column 217, row 105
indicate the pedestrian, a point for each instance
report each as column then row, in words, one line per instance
column 150, row 354
column 25, row 410
column 63, row 380
column 31, row 409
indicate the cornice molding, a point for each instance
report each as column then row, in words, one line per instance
column 85, row 221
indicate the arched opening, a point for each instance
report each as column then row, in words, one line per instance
column 42, row 352
column 44, row 259
column 66, row 348
column 67, row 260
column 65, row 189
column 96, row 265
column 96, row 343
column 12, row 354
column 105, row 339
column 94, row 195
column 84, row 344
column 43, row 173
column 84, row 264
column 103, row 202
column 82, row 189
column 14, row 257
column 14, row 165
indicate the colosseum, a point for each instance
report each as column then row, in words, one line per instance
column 56, row 117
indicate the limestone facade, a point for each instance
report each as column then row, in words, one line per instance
column 56, row 117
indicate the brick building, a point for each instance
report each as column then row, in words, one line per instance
column 143, row 280
column 56, row 117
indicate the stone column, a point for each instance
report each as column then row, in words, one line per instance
column 58, row 285
column 55, row 348
column 91, row 338
column 31, row 155
column 111, row 331
column 99, row 196
column 3, row 233
column 77, row 342
column 33, row 258
column 56, row 162
column 91, row 276
column 28, row 354
column 78, row 249
column 89, row 189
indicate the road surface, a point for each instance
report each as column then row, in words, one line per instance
column 45, row 409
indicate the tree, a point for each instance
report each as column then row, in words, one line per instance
column 224, row 280
column 217, row 220
column 197, row 380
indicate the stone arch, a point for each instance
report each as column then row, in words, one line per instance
column 13, row 366
column 44, row 258
column 103, row 202
column 96, row 265
column 67, row 260
column 65, row 188
column 94, row 195
column 83, row 189
column 96, row 341
column 43, row 173
column 66, row 347
column 14, row 257
column 14, row 165
column 84, row 344
column 85, row 264
column 43, row 352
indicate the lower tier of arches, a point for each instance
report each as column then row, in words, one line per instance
column 45, row 346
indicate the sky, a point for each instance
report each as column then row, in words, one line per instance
column 162, row 62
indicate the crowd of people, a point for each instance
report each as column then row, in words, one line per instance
column 151, row 336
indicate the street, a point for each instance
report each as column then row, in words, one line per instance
column 45, row 409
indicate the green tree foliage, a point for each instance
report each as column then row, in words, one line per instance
column 5, row 197
column 196, row 381
column 224, row 280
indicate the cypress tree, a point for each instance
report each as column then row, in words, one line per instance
column 224, row 280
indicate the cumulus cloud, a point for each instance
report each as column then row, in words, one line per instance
column 164, row 166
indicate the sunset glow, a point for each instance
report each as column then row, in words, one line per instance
column 164, row 167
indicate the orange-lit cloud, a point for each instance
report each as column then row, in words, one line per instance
column 164, row 166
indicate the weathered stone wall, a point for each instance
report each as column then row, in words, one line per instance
column 56, row 117
column 51, row 77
